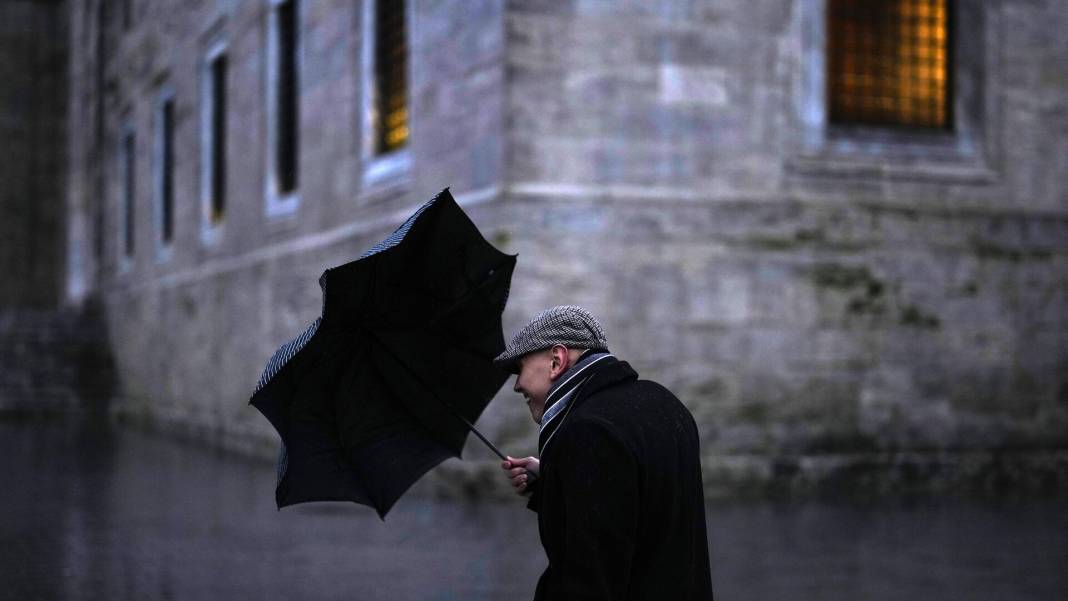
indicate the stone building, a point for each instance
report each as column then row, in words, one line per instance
column 52, row 354
column 837, row 229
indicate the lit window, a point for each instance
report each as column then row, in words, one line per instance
column 390, row 112
column 888, row 63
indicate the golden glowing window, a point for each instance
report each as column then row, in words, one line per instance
column 391, row 76
column 889, row 62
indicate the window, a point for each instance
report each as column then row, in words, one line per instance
column 888, row 63
column 385, row 108
column 164, row 173
column 391, row 77
column 283, row 106
column 899, row 89
column 213, row 141
column 127, row 192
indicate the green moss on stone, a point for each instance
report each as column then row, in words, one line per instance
column 988, row 250
column 802, row 237
column 753, row 412
column 843, row 277
column 772, row 243
column 913, row 316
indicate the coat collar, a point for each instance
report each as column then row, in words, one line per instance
column 604, row 373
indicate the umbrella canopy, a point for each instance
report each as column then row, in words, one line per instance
column 384, row 385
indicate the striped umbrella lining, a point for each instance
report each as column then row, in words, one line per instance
column 399, row 233
column 288, row 350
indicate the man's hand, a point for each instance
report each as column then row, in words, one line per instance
column 522, row 472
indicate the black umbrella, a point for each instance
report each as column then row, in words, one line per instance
column 386, row 383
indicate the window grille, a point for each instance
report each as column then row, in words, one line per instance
column 391, row 76
column 889, row 63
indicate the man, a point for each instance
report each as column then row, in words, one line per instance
column 617, row 485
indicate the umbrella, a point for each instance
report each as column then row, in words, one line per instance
column 386, row 383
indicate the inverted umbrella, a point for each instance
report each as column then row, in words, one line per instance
column 386, row 383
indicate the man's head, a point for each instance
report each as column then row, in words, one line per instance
column 545, row 348
column 538, row 371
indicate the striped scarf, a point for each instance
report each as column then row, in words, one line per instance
column 558, row 401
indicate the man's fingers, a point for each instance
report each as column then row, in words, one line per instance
column 521, row 471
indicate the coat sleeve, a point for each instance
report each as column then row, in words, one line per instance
column 598, row 476
column 534, row 501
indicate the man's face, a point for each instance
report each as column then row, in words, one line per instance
column 534, row 381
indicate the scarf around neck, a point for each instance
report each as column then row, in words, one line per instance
column 558, row 400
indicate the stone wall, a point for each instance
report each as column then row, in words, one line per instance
column 33, row 48
column 828, row 306
column 835, row 307
column 192, row 327
column 55, row 361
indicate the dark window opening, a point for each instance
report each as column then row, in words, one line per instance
column 889, row 63
column 286, row 158
column 391, row 76
column 129, row 183
column 167, row 172
column 218, row 138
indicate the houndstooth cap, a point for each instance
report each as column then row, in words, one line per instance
column 569, row 325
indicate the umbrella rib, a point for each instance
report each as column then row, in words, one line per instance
column 444, row 404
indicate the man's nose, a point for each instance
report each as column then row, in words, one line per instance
column 515, row 387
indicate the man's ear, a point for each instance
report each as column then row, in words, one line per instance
column 559, row 361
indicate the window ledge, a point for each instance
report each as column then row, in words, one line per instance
column 210, row 235
column 164, row 252
column 380, row 170
column 835, row 164
column 856, row 151
column 387, row 175
column 278, row 207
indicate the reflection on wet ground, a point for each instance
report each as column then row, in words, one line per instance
column 110, row 513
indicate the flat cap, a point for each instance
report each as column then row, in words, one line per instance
column 569, row 325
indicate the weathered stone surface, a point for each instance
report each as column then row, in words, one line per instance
column 55, row 361
column 872, row 311
column 33, row 50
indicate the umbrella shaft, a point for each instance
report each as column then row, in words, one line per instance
column 477, row 433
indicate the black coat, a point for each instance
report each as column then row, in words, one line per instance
column 620, row 503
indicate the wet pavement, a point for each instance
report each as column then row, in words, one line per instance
column 113, row 514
